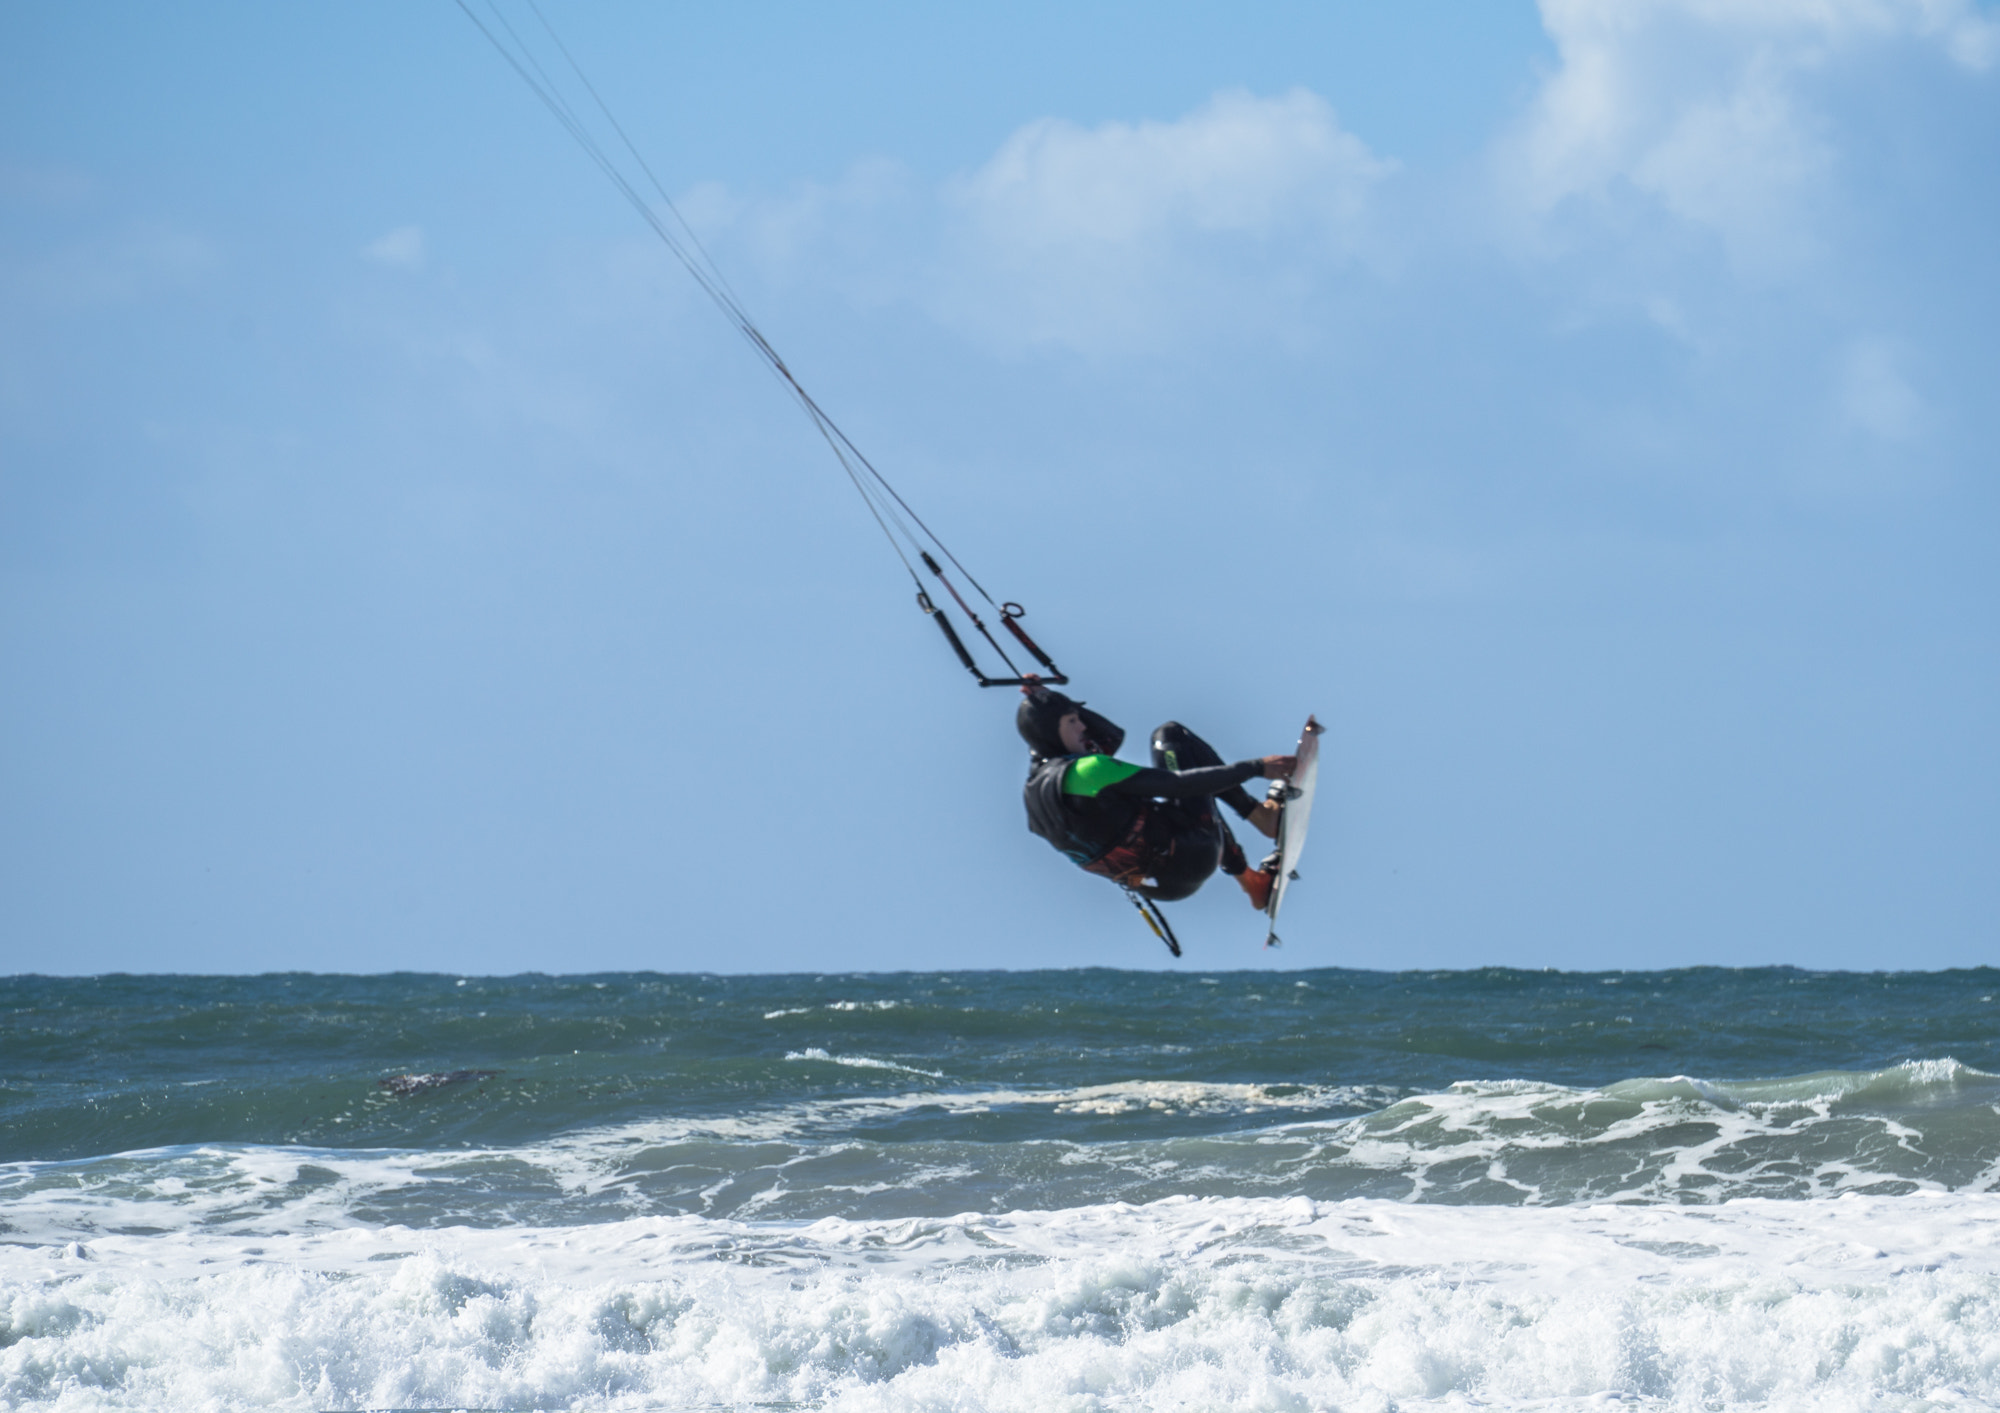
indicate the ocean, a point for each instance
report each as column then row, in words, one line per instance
column 1065, row 1190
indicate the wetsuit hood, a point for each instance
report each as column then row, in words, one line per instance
column 1039, row 720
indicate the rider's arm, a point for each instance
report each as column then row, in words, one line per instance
column 1091, row 776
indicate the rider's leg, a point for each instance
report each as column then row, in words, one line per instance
column 1177, row 748
column 1184, row 840
column 1196, row 841
column 1255, row 882
column 1193, row 843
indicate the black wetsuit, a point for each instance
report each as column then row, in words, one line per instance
column 1155, row 830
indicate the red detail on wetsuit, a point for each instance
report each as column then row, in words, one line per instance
column 1126, row 862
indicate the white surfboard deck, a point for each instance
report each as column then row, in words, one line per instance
column 1292, row 823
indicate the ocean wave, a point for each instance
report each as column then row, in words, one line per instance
column 108, row 1065
column 1929, row 1126
column 804, row 1160
column 1914, row 1084
column 1857, row 1303
column 846, row 1114
column 859, row 1062
column 784, row 1011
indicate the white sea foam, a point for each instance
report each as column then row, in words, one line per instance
column 940, row 1148
column 1853, row 1302
column 266, row 1190
column 859, row 1062
column 813, row 1117
column 1681, row 1139
column 832, row 1006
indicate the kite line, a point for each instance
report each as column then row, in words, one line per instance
column 905, row 530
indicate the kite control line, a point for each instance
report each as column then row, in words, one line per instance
column 628, row 171
column 1009, row 614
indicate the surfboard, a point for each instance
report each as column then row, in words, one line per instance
column 1298, row 802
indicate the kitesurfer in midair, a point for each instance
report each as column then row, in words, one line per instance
column 1155, row 830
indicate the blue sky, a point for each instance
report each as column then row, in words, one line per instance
column 1587, row 410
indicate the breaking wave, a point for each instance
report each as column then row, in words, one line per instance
column 1260, row 1303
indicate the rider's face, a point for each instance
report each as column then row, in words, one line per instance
column 1072, row 730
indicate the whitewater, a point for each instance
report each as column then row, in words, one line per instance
column 1067, row 1190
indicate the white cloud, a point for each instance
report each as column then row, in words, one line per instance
column 1106, row 236
column 1239, row 163
column 403, row 247
column 1696, row 106
column 1112, row 237
column 832, row 235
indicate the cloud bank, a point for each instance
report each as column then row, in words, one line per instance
column 1113, row 235
column 1721, row 114
column 1678, row 153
